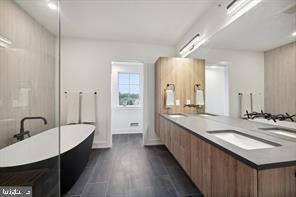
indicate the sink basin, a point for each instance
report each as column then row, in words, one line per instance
column 176, row 115
column 281, row 131
column 205, row 114
column 243, row 140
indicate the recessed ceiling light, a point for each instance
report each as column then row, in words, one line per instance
column 294, row 33
column 52, row 6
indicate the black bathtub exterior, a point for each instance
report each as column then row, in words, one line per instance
column 73, row 163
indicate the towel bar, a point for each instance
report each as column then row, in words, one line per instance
column 79, row 92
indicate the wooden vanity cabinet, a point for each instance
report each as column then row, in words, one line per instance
column 219, row 174
column 177, row 141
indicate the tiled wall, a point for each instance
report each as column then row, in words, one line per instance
column 27, row 73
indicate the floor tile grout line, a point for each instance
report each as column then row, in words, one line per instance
column 112, row 167
column 81, row 194
column 170, row 178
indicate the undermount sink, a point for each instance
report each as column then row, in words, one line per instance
column 205, row 114
column 281, row 131
column 177, row 115
column 243, row 140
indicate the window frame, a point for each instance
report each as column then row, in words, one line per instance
column 129, row 84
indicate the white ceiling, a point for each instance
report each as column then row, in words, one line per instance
column 263, row 28
column 145, row 21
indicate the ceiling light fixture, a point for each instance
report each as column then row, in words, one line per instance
column 240, row 7
column 193, row 44
column 4, row 42
column 294, row 33
column 52, row 6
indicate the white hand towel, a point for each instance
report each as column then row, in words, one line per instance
column 169, row 98
column 199, row 98
column 72, row 108
column 245, row 104
column 257, row 102
column 88, row 108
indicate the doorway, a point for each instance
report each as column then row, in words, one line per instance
column 127, row 98
column 217, row 89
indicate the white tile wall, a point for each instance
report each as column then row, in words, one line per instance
column 27, row 66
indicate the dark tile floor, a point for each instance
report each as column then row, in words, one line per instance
column 129, row 169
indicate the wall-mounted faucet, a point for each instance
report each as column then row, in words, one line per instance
column 21, row 136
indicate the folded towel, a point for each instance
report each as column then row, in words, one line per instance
column 72, row 108
column 88, row 108
column 199, row 98
column 169, row 98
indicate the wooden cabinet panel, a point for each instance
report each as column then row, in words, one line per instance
column 167, row 140
column 278, row 182
column 222, row 174
column 180, row 146
column 246, row 180
column 177, row 140
column 230, row 177
column 161, row 129
column 219, row 174
column 201, row 164
column 185, row 149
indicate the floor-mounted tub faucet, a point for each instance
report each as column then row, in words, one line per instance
column 21, row 136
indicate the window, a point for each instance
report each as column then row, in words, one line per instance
column 129, row 89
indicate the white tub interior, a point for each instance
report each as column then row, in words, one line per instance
column 44, row 145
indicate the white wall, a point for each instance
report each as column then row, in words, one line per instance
column 246, row 72
column 217, row 95
column 121, row 117
column 86, row 66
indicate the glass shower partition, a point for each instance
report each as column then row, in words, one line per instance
column 29, row 98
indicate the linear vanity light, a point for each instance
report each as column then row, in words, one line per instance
column 193, row 44
column 52, row 5
column 240, row 7
column 4, row 42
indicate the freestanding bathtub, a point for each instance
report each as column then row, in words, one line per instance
column 41, row 151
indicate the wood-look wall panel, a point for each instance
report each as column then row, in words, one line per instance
column 280, row 80
column 183, row 73
column 29, row 63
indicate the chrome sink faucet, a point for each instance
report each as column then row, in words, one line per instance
column 21, row 135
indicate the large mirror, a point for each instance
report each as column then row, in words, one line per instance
column 251, row 63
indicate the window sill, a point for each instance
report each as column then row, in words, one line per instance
column 129, row 106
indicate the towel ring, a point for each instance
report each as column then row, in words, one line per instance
column 196, row 87
column 170, row 85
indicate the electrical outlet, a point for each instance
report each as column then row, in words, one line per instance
column 177, row 102
column 188, row 102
